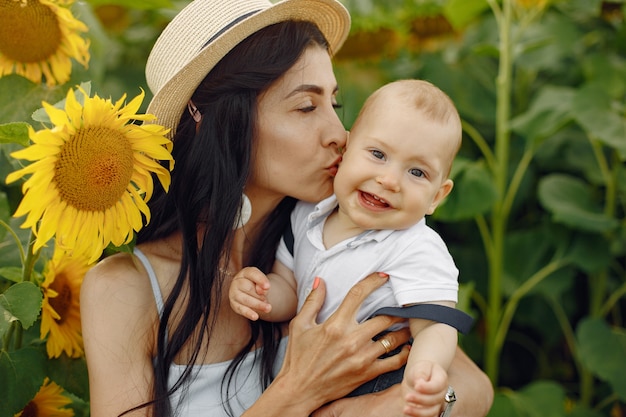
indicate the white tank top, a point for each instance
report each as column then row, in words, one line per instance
column 204, row 396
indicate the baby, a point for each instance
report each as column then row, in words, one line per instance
column 394, row 172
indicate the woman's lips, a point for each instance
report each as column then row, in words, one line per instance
column 334, row 167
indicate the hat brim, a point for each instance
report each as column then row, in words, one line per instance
column 170, row 101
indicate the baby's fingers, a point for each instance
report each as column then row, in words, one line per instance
column 258, row 278
column 249, row 306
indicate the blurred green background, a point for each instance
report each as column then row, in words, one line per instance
column 536, row 219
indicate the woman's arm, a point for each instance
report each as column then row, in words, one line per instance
column 472, row 386
column 118, row 314
column 327, row 361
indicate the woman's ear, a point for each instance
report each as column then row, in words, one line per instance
column 442, row 193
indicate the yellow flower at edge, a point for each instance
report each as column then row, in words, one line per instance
column 38, row 38
column 532, row 4
column 48, row 402
column 60, row 310
column 91, row 174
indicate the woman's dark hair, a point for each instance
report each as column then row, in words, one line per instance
column 212, row 166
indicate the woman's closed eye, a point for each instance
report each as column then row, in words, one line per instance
column 312, row 107
column 307, row 109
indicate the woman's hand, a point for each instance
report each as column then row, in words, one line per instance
column 327, row 361
column 386, row 403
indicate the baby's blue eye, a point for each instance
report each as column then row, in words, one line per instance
column 378, row 154
column 416, row 172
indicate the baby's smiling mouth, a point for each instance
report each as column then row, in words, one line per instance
column 373, row 200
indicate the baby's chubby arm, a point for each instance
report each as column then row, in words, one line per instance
column 271, row 297
column 425, row 378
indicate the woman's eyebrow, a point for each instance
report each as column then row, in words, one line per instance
column 310, row 88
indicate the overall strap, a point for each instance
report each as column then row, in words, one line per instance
column 442, row 314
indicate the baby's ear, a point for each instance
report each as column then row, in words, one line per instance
column 442, row 193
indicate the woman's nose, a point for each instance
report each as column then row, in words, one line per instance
column 335, row 134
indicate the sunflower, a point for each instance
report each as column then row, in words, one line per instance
column 60, row 311
column 39, row 38
column 48, row 402
column 92, row 174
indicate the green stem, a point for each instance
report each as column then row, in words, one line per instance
column 586, row 388
column 516, row 181
column 568, row 332
column 27, row 273
column 480, row 302
column 499, row 218
column 605, row 403
column 612, row 300
column 6, row 342
column 483, row 229
column 31, row 259
column 598, row 284
column 481, row 143
column 16, row 238
column 520, row 293
column 586, row 378
column 609, row 180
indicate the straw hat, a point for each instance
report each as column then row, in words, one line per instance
column 206, row 30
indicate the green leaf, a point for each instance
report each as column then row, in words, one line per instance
column 548, row 44
column 40, row 114
column 461, row 205
column 539, row 399
column 22, row 374
column 590, row 252
column 571, row 203
column 582, row 411
column 14, row 133
column 21, row 97
column 70, row 373
column 606, row 71
column 548, row 113
column 603, row 351
column 12, row 273
column 544, row 398
column 22, row 302
column 461, row 12
column 593, row 110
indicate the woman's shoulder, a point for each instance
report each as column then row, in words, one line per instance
column 118, row 282
column 119, row 269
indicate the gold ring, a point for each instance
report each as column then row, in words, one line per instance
column 386, row 344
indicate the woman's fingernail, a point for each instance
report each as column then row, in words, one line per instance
column 383, row 275
column 316, row 282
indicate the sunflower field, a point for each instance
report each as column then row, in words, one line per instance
column 536, row 221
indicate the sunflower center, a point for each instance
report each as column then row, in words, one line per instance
column 30, row 410
column 94, row 168
column 63, row 301
column 29, row 31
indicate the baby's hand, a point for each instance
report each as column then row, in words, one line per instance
column 247, row 293
column 424, row 387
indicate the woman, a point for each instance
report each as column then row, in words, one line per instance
column 248, row 90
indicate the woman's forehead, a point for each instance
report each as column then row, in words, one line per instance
column 312, row 73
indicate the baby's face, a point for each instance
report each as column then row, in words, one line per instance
column 395, row 168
